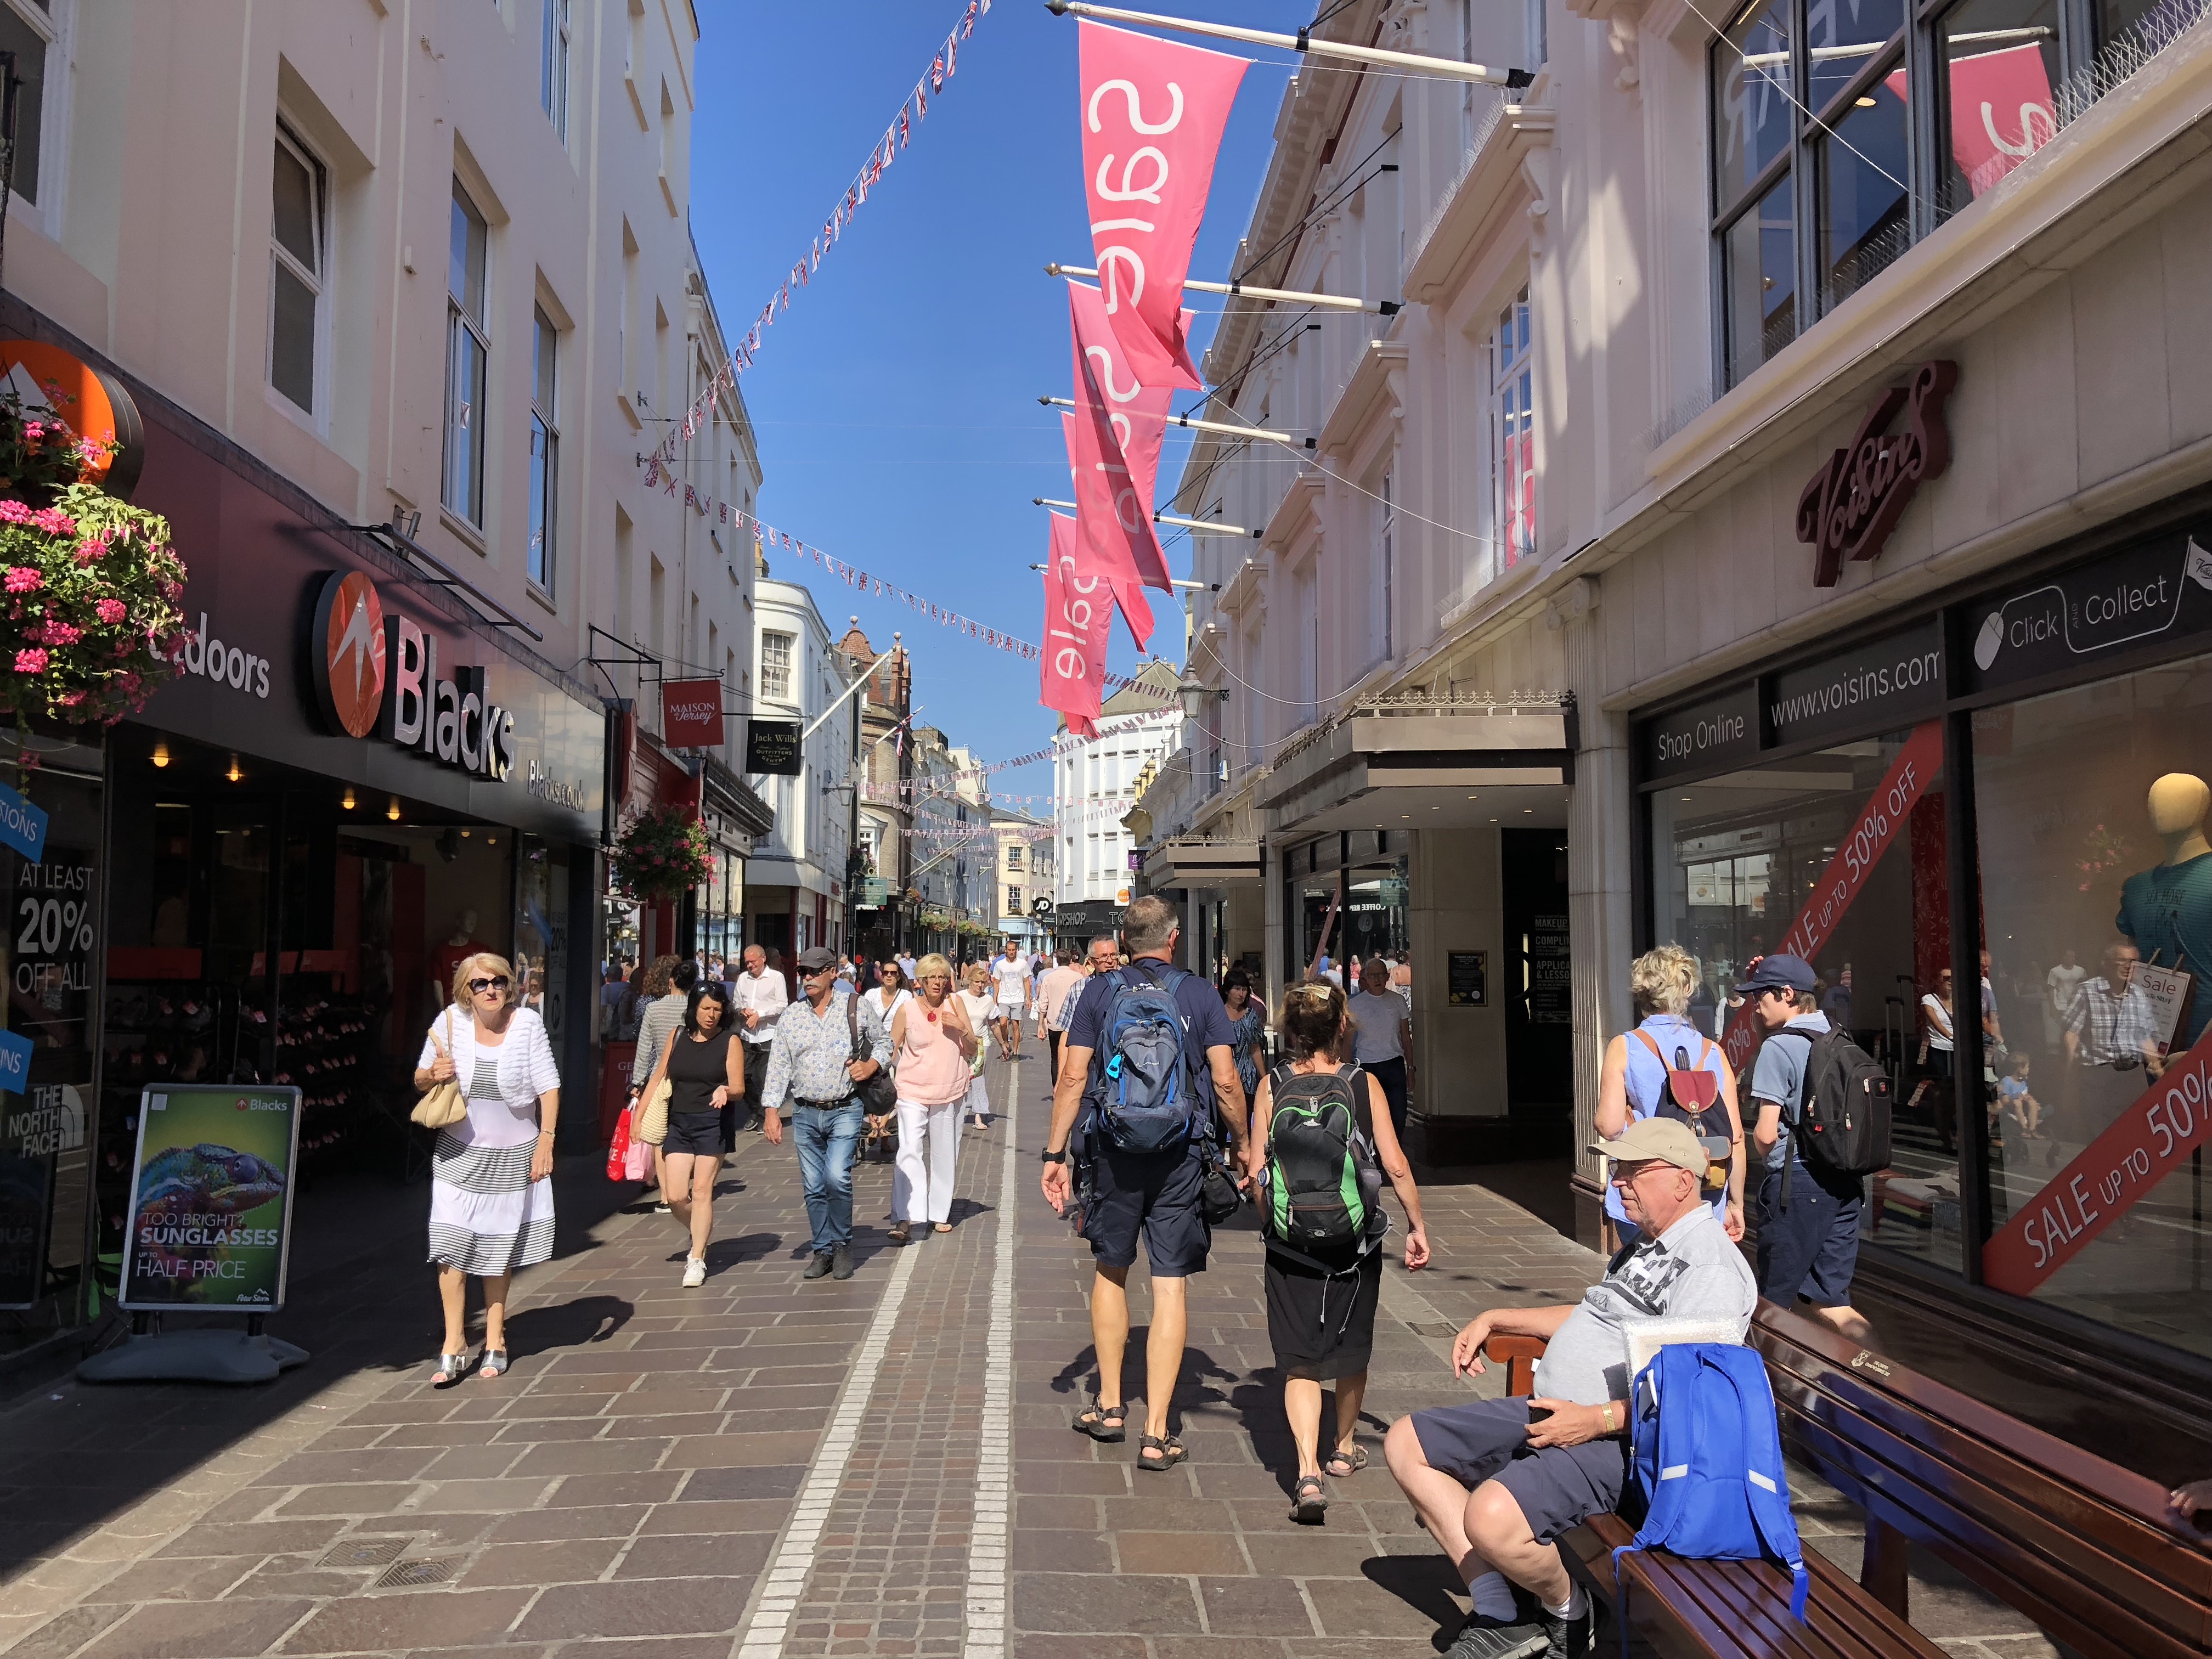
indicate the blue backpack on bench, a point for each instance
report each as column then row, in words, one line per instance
column 1707, row 1458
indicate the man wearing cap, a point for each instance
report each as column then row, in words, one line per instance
column 1808, row 1217
column 811, row 1057
column 1497, row 1481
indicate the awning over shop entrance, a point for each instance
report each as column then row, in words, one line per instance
column 1200, row 861
column 1428, row 745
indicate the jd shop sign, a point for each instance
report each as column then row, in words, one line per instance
column 1848, row 509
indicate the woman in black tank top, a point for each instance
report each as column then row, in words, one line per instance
column 703, row 1068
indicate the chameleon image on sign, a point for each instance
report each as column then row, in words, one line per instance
column 208, row 1223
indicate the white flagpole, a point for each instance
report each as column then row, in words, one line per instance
column 1302, row 41
column 1195, row 425
column 1207, row 525
column 1294, row 297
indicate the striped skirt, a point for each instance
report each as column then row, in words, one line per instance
column 487, row 1216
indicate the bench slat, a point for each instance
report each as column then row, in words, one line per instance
column 2091, row 1619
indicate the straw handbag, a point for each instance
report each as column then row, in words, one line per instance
column 443, row 1105
column 653, row 1124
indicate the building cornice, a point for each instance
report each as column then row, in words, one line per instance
column 1502, row 160
column 1377, row 381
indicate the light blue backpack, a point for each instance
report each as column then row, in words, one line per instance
column 1708, row 1456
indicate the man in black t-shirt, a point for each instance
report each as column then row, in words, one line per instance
column 1154, row 1194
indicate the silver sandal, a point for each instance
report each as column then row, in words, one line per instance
column 452, row 1368
column 494, row 1365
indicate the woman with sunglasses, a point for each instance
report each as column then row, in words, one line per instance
column 491, row 1189
column 880, row 1135
column 935, row 1040
column 705, row 1071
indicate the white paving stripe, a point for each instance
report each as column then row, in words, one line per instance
column 778, row 1599
column 988, row 1534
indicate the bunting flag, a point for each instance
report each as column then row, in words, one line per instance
column 895, row 139
column 1076, row 622
column 1104, row 541
column 1152, row 113
column 1134, row 416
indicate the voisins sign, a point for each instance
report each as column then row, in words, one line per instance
column 377, row 676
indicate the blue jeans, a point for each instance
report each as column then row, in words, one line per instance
column 826, row 1136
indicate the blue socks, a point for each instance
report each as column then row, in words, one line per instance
column 1493, row 1597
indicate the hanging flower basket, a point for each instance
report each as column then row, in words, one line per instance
column 89, row 625
column 662, row 854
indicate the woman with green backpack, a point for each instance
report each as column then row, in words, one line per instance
column 1322, row 1142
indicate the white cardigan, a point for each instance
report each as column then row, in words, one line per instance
column 525, row 1072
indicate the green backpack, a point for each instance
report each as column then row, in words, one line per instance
column 1324, row 1180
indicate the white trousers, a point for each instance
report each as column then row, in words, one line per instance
column 928, row 1150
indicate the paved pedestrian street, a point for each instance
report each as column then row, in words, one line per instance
column 766, row 1466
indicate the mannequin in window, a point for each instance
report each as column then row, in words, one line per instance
column 2168, row 909
column 455, row 950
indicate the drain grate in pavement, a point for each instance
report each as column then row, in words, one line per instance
column 367, row 1551
column 1432, row 1330
column 411, row 1575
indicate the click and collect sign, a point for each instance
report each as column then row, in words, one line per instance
column 211, row 1198
column 692, row 713
column 2159, row 589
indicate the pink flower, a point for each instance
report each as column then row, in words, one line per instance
column 71, row 699
column 34, row 430
column 54, row 522
column 61, row 633
column 129, row 682
column 13, row 513
column 92, row 548
column 112, row 611
column 22, row 578
column 31, row 662
column 89, row 453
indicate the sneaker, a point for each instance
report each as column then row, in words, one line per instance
column 661, row 1208
column 1567, row 1638
column 694, row 1273
column 819, row 1268
column 1484, row 1637
column 841, row 1263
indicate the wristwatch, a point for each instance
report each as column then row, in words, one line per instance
column 1059, row 1157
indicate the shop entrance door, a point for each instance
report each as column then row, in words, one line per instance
column 1539, row 1085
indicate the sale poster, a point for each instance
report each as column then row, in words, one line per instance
column 210, row 1197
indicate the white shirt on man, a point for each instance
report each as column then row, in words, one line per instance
column 765, row 994
column 1012, row 976
column 1375, row 1016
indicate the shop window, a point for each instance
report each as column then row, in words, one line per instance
column 2097, row 918
column 28, row 28
column 297, row 265
column 1013, row 856
column 1384, row 602
column 468, row 353
column 545, row 449
column 1014, row 901
column 776, row 665
column 1841, row 857
column 2000, row 63
column 553, row 67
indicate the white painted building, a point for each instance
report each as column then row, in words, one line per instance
column 1093, row 781
column 795, row 892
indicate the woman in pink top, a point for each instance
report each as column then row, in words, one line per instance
column 935, row 1040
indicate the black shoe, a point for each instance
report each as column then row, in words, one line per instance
column 754, row 1124
column 1484, row 1638
column 841, row 1263
column 819, row 1268
column 1568, row 1638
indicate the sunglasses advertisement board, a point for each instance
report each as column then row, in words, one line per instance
column 211, row 1198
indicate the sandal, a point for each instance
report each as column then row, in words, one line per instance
column 900, row 1231
column 1309, row 1501
column 452, row 1368
column 942, row 1227
column 494, row 1363
column 1103, row 1422
column 1352, row 1462
column 1171, row 1452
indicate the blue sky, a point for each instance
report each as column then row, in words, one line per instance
column 895, row 401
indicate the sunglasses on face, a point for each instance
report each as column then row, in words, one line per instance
column 480, row 985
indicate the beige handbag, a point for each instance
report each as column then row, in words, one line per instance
column 443, row 1105
column 652, row 1126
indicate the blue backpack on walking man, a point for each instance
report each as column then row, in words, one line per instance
column 1145, row 1096
column 1708, row 1458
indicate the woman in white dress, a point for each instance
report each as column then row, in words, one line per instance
column 491, row 1192
column 981, row 1010
column 879, row 1135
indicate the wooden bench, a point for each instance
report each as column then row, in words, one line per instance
column 2084, row 1548
column 2087, row 1550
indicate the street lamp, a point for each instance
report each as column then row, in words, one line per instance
column 1193, row 694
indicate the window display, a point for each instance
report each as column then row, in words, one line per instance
column 2097, row 905
column 1839, row 857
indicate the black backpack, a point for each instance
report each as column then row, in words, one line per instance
column 1843, row 1117
column 1324, row 1182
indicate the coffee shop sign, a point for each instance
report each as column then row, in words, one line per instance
column 1848, row 509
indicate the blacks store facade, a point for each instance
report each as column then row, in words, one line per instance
column 270, row 874
column 2000, row 790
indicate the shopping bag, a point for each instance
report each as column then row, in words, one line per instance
column 618, row 1149
column 639, row 1162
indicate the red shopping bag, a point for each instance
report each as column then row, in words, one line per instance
column 618, row 1150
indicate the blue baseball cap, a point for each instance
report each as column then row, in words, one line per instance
column 1780, row 972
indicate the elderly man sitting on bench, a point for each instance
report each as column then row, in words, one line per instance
column 1497, row 1481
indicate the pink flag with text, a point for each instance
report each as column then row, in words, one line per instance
column 1076, row 618
column 1105, row 539
column 2001, row 112
column 1133, row 417
column 1153, row 113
